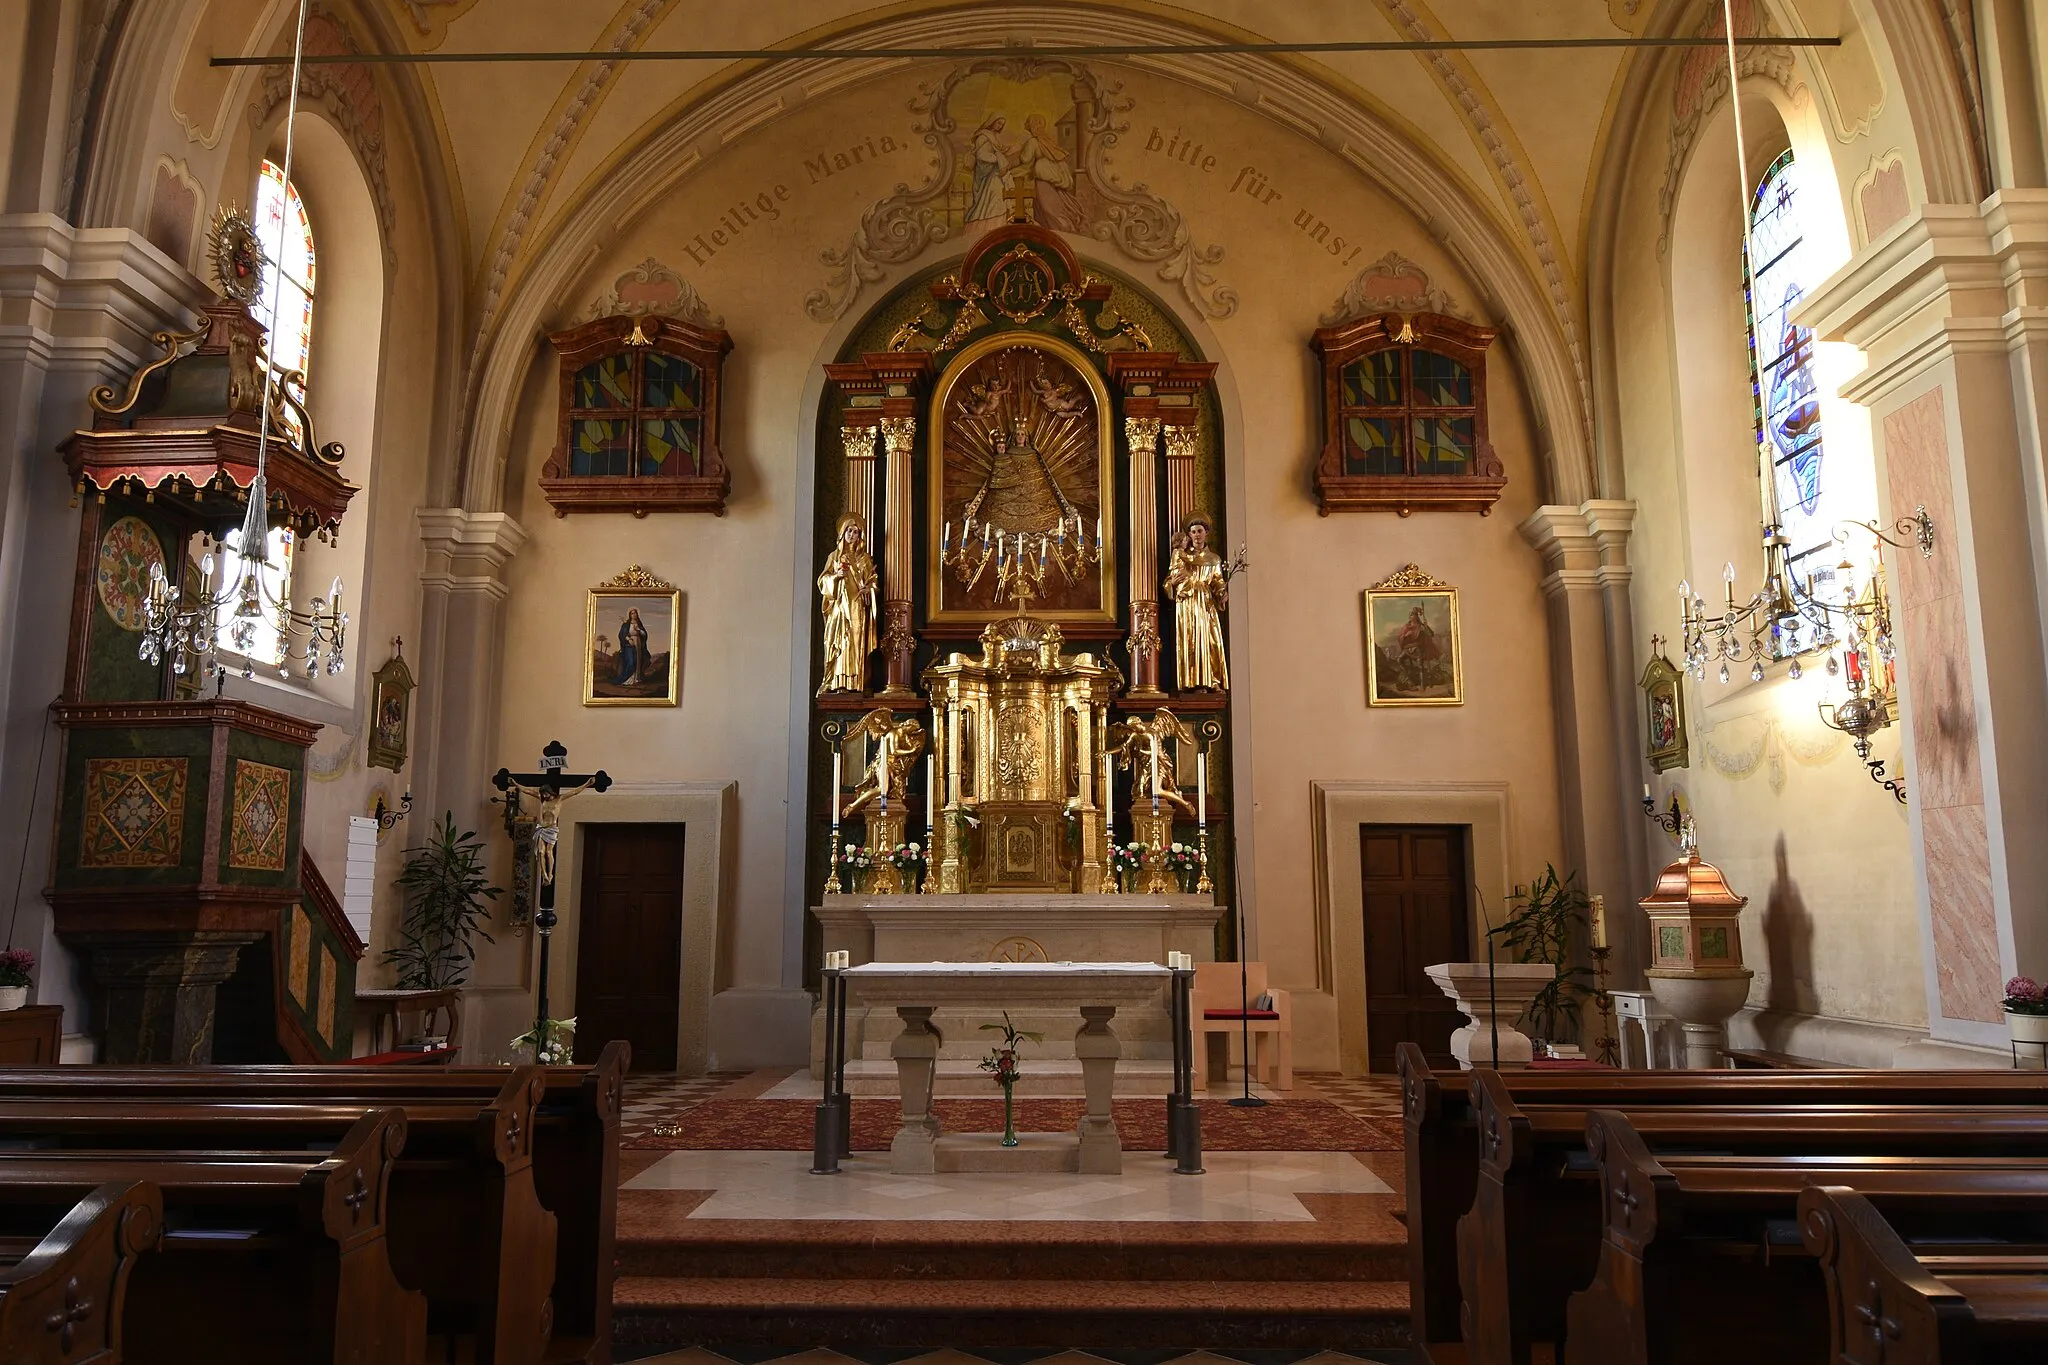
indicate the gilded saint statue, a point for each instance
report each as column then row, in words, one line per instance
column 896, row 745
column 1199, row 585
column 846, row 599
column 1143, row 747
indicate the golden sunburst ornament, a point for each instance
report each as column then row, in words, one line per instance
column 237, row 255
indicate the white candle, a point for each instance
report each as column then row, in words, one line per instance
column 1599, row 921
column 1646, row 791
column 835, row 790
column 1202, row 789
column 931, row 787
column 1155, row 769
column 1108, row 816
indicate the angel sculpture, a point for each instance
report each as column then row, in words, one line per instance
column 1061, row 401
column 1141, row 746
column 897, row 745
column 985, row 397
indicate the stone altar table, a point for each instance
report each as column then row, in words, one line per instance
column 1093, row 989
column 1013, row 927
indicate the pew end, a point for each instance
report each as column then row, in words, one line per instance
column 62, row 1303
column 1872, row 1276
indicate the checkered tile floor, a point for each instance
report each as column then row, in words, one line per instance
column 786, row 1356
column 1373, row 1097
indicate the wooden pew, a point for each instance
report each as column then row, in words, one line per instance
column 1533, row 1234
column 1687, row 1276
column 1443, row 1138
column 575, row 1147
column 62, row 1303
column 1949, row 1305
column 265, row 1256
column 466, row 1227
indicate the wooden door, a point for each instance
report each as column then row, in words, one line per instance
column 1415, row 916
column 629, row 947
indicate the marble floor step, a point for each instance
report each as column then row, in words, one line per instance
column 1013, row 1313
column 1266, row 1253
column 1043, row 1078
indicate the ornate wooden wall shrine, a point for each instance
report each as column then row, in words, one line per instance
column 180, row 814
column 1020, row 655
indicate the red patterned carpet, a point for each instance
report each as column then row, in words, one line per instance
column 785, row 1125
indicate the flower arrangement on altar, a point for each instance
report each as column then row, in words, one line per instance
column 15, row 965
column 1125, row 861
column 1001, row 1064
column 553, row 1041
column 905, row 857
column 2024, row 995
column 1185, row 862
column 855, row 859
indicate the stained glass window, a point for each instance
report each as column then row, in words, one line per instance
column 1408, row 411
column 636, row 412
column 288, row 278
column 1781, row 370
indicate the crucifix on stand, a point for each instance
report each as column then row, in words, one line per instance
column 551, row 786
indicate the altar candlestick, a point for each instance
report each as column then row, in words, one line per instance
column 945, row 539
column 1108, row 815
column 931, row 787
column 835, row 788
column 1599, row 921
column 1202, row 790
column 1155, row 778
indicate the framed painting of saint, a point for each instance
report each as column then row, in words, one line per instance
column 1022, row 427
column 1413, row 655
column 390, row 712
column 631, row 642
column 1663, row 711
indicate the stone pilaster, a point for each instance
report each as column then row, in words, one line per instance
column 899, row 641
column 1141, row 434
column 462, row 625
column 1593, row 804
column 1949, row 315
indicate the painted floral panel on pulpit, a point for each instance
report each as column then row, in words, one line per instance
column 1020, row 421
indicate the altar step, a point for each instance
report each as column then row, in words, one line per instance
column 1043, row 1078
column 1043, row 1286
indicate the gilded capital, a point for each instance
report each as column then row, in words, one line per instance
column 1180, row 441
column 898, row 433
column 1142, row 433
column 858, row 442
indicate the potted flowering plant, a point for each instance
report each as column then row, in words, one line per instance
column 1124, row 862
column 1001, row 1064
column 2026, row 1010
column 854, row 862
column 1185, row 862
column 909, row 860
column 553, row 1045
column 15, row 965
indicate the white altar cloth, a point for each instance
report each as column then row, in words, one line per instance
column 1095, row 989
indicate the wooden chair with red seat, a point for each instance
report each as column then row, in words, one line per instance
column 1219, row 1008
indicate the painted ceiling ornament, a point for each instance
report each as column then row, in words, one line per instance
column 347, row 92
column 237, row 256
column 1021, row 138
column 651, row 287
column 1391, row 284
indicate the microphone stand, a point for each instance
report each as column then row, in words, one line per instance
column 1244, row 982
column 1492, row 990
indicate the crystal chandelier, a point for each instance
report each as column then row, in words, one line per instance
column 1021, row 559
column 185, row 627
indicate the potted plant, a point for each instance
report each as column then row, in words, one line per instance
column 553, row 1046
column 15, row 965
column 1001, row 1063
column 1539, row 930
column 2026, row 1010
column 447, row 894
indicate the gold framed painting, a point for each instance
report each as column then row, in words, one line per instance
column 1665, row 744
column 1413, row 653
column 632, row 639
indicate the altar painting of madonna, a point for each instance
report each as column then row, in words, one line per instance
column 1024, row 450
column 630, row 642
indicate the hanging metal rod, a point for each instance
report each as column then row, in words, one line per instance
column 847, row 54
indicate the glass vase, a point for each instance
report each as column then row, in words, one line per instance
column 1009, row 1116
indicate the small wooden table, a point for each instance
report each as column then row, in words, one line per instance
column 1094, row 989
column 384, row 1007
column 30, row 1036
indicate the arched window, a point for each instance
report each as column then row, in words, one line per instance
column 287, row 296
column 1782, row 384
